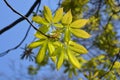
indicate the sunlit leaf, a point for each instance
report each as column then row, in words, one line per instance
column 79, row 23
column 44, row 28
column 74, row 61
column 57, row 51
column 67, row 35
column 39, row 20
column 41, row 54
column 57, row 43
column 67, row 18
column 36, row 43
column 51, row 48
column 77, row 47
column 60, row 59
column 58, row 25
column 58, row 15
column 47, row 14
column 40, row 36
column 116, row 65
column 80, row 33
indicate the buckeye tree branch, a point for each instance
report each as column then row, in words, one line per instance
column 8, row 27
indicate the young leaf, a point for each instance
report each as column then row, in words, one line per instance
column 67, row 18
column 58, row 25
column 40, row 36
column 80, row 33
column 47, row 14
column 51, row 48
column 58, row 15
column 79, row 23
column 39, row 20
column 77, row 47
column 67, row 35
column 74, row 61
column 36, row 43
column 41, row 54
column 60, row 59
column 44, row 28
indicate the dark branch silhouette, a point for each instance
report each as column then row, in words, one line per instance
column 21, row 18
column 25, row 18
column 7, row 51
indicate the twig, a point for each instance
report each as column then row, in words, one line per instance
column 21, row 18
column 24, row 18
column 7, row 51
column 111, row 67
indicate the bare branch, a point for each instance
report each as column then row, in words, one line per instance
column 21, row 18
column 7, row 51
column 24, row 18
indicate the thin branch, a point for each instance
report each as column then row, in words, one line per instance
column 111, row 67
column 24, row 18
column 21, row 18
column 7, row 51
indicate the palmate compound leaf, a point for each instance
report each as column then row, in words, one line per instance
column 39, row 20
column 79, row 23
column 47, row 14
column 58, row 15
column 77, row 48
column 67, row 18
column 41, row 54
column 80, row 33
column 74, row 61
column 60, row 58
column 36, row 44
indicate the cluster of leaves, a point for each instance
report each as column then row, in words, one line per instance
column 107, row 41
column 96, row 67
column 55, row 38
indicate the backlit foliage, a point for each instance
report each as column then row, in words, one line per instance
column 55, row 41
column 61, row 38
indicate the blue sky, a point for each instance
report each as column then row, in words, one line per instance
column 12, row 37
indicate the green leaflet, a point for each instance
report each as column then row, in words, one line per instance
column 79, row 23
column 44, row 28
column 58, row 25
column 58, row 15
column 47, row 14
column 67, row 18
column 74, row 61
column 51, row 48
column 67, row 35
column 80, row 33
column 77, row 47
column 36, row 43
column 39, row 20
column 41, row 54
column 39, row 35
column 57, row 44
column 60, row 59
column 116, row 65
